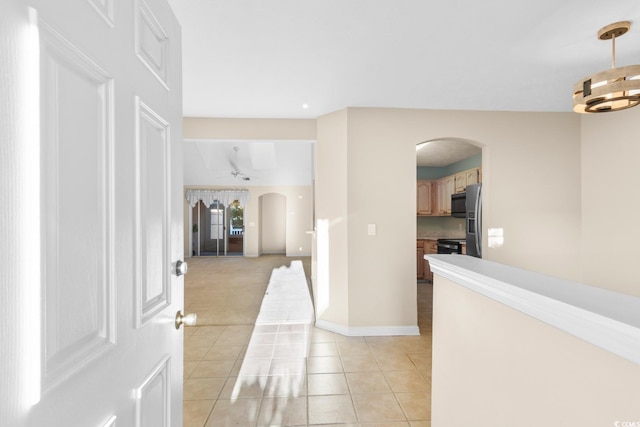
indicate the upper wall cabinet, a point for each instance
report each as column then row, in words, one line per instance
column 446, row 187
column 425, row 205
column 468, row 177
column 461, row 182
column 473, row 176
column 434, row 197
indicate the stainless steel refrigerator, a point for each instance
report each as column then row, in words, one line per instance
column 474, row 220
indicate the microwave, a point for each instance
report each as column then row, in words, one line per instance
column 459, row 205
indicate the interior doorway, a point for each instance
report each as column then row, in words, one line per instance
column 218, row 230
column 444, row 169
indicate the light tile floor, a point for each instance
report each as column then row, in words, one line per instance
column 298, row 375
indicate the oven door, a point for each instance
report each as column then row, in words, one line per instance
column 449, row 247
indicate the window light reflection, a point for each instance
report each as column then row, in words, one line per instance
column 495, row 237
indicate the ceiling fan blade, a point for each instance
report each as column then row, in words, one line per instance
column 234, row 161
column 234, row 165
column 236, row 172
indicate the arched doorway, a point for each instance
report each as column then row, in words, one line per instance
column 444, row 169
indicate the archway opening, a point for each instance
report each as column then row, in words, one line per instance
column 445, row 168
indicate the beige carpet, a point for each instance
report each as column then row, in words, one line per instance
column 230, row 290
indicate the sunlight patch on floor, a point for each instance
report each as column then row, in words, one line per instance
column 287, row 299
column 277, row 353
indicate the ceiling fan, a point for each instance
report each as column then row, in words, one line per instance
column 236, row 172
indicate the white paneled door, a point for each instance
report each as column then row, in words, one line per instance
column 91, row 213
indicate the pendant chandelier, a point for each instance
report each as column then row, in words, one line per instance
column 610, row 90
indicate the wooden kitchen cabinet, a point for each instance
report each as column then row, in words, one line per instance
column 446, row 187
column 434, row 197
column 425, row 199
column 420, row 259
column 468, row 177
column 424, row 247
column 461, row 182
column 473, row 176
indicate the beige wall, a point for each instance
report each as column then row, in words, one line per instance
column 504, row 368
column 299, row 219
column 265, row 129
column 611, row 200
column 273, row 223
column 330, row 278
column 381, row 191
column 531, row 172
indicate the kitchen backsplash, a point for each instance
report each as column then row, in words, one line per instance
column 440, row 227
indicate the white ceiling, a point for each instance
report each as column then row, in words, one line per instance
column 264, row 163
column 266, row 58
column 443, row 152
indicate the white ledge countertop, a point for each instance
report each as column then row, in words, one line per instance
column 607, row 319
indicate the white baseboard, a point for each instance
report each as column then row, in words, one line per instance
column 367, row 331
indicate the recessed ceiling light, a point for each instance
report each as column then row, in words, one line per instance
column 305, row 106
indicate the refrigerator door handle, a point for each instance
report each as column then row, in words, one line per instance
column 478, row 222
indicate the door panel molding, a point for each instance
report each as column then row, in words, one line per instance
column 104, row 9
column 153, row 272
column 153, row 397
column 78, row 308
column 152, row 42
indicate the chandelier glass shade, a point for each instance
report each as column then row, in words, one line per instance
column 611, row 90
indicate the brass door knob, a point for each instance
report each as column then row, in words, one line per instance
column 186, row 319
